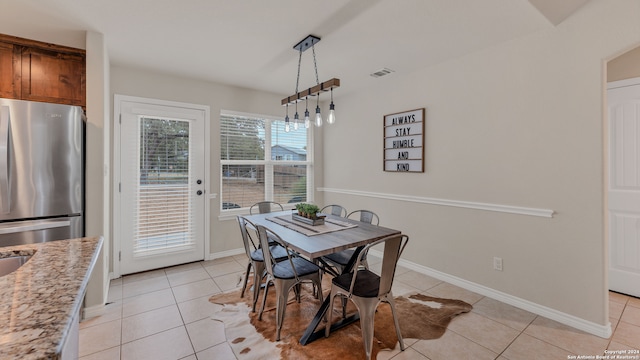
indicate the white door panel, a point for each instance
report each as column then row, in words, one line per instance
column 162, row 185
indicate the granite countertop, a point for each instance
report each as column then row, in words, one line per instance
column 39, row 300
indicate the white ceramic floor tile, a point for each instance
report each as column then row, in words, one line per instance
column 616, row 309
column 143, row 276
column 109, row 354
column 151, row 322
column 188, row 276
column 183, row 267
column 613, row 345
column 220, row 261
column 419, row 281
column 448, row 291
column 229, row 281
column 218, row 352
column 402, row 289
column 170, row 344
column 633, row 301
column 195, row 290
column 407, row 354
column 565, row 337
column 627, row 334
column 511, row 316
column 241, row 258
column 206, row 333
column 484, row 331
column 526, row 348
column 197, row 309
column 224, row 268
column 631, row 315
column 146, row 302
column 617, row 297
column 453, row 346
column 144, row 286
column 100, row 337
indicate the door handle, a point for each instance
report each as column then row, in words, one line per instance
column 13, row 228
column 5, row 191
column 199, row 192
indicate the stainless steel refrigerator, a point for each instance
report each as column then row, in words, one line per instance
column 41, row 172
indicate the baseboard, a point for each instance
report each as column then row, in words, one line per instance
column 98, row 310
column 603, row 331
column 92, row 311
column 222, row 254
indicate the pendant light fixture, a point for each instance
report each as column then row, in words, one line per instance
column 307, row 121
column 332, row 113
column 306, row 43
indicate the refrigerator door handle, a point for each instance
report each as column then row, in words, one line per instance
column 5, row 191
column 13, row 228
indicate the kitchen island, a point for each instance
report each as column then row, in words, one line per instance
column 40, row 302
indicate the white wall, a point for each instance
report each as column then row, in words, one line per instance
column 97, row 174
column 518, row 124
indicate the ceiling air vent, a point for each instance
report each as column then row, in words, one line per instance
column 381, row 72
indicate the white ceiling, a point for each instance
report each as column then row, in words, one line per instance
column 249, row 43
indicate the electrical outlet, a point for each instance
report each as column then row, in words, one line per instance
column 497, row 263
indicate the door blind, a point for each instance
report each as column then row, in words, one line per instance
column 164, row 215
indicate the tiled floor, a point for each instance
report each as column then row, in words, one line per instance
column 165, row 314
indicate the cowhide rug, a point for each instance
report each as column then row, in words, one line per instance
column 420, row 317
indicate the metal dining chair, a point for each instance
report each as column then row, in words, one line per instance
column 365, row 216
column 367, row 289
column 335, row 210
column 285, row 275
column 335, row 263
column 339, row 260
column 256, row 258
column 264, row 207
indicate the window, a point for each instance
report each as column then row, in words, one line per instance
column 260, row 161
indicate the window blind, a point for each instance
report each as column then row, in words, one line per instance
column 261, row 161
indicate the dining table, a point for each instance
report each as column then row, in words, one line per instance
column 316, row 240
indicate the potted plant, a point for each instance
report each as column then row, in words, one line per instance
column 309, row 211
column 312, row 211
column 300, row 208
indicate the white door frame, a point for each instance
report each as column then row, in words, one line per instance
column 117, row 238
column 608, row 145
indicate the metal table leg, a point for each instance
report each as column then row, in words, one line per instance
column 310, row 334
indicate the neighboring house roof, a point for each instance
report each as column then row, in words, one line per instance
column 294, row 150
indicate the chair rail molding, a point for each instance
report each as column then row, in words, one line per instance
column 546, row 213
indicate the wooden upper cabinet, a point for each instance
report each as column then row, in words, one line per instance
column 53, row 77
column 31, row 70
column 9, row 72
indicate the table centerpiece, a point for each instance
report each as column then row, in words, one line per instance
column 308, row 214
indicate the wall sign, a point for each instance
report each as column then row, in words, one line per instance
column 404, row 141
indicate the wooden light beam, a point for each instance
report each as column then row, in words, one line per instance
column 304, row 94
